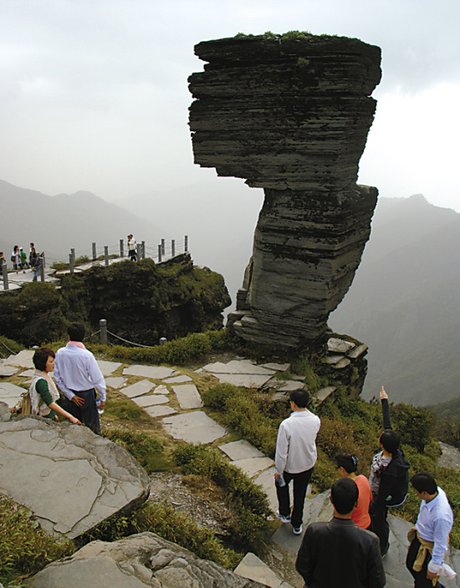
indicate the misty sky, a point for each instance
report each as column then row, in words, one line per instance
column 93, row 93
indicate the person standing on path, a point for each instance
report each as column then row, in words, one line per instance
column 337, row 553
column 389, row 477
column 80, row 379
column 132, row 248
column 295, row 457
column 347, row 466
column 429, row 540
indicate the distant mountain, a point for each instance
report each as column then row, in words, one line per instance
column 404, row 302
column 57, row 223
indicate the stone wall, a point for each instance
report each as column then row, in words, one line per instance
column 291, row 115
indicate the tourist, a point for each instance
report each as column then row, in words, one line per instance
column 39, row 261
column 80, row 379
column 2, row 258
column 23, row 259
column 429, row 540
column 389, row 477
column 347, row 466
column 44, row 396
column 32, row 255
column 15, row 258
column 132, row 245
column 337, row 553
column 295, row 457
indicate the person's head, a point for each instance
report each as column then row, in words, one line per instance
column 346, row 463
column 43, row 359
column 32, row 245
column 390, row 441
column 344, row 496
column 300, row 397
column 424, row 484
column 76, row 331
column 16, row 248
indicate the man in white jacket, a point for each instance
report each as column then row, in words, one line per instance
column 295, row 457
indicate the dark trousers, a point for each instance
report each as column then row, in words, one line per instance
column 132, row 255
column 421, row 581
column 379, row 525
column 88, row 413
column 301, row 481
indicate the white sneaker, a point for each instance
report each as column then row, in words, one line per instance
column 297, row 530
column 283, row 519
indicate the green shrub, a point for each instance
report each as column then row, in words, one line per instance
column 415, row 424
column 24, row 547
column 146, row 449
column 124, row 409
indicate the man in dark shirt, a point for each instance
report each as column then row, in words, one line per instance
column 338, row 554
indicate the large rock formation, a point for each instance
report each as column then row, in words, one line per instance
column 291, row 114
column 138, row 561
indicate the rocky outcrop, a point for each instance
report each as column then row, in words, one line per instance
column 291, row 114
column 70, row 478
column 138, row 561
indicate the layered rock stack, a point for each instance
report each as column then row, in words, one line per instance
column 291, row 114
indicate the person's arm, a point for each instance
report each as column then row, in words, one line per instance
column 375, row 572
column 304, row 563
column 43, row 390
column 282, row 449
column 385, row 409
column 97, row 379
column 441, row 532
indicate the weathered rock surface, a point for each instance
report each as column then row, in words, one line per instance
column 70, row 478
column 291, row 115
column 138, row 561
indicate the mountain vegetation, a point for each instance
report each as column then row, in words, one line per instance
column 404, row 302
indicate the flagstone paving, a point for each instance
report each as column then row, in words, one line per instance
column 151, row 400
column 243, row 380
column 161, row 390
column 7, row 370
column 10, row 393
column 28, row 373
column 182, row 379
column 188, row 396
column 115, row 381
column 138, row 389
column 156, row 372
column 240, row 449
column 22, row 359
column 160, row 410
column 108, row 367
column 194, row 427
column 254, row 465
column 253, row 568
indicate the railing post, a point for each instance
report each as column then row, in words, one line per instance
column 186, row 243
column 94, row 252
column 42, row 269
column 143, row 249
column 5, row 275
column 106, row 255
column 139, row 251
column 160, row 249
column 71, row 263
column 103, row 330
column 162, row 246
column 173, row 248
column 121, row 248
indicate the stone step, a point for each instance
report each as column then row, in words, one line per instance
column 253, row 568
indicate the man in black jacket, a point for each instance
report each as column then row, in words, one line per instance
column 338, row 554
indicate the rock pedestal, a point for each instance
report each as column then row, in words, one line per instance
column 291, row 114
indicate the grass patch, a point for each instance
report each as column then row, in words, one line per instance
column 24, row 547
column 147, row 450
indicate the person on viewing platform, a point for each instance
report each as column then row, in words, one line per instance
column 295, row 457
column 429, row 540
column 32, row 256
column 337, row 553
column 132, row 252
column 347, row 466
column 389, row 477
column 44, row 396
column 80, row 379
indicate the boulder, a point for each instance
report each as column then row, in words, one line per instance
column 138, row 561
column 70, row 478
